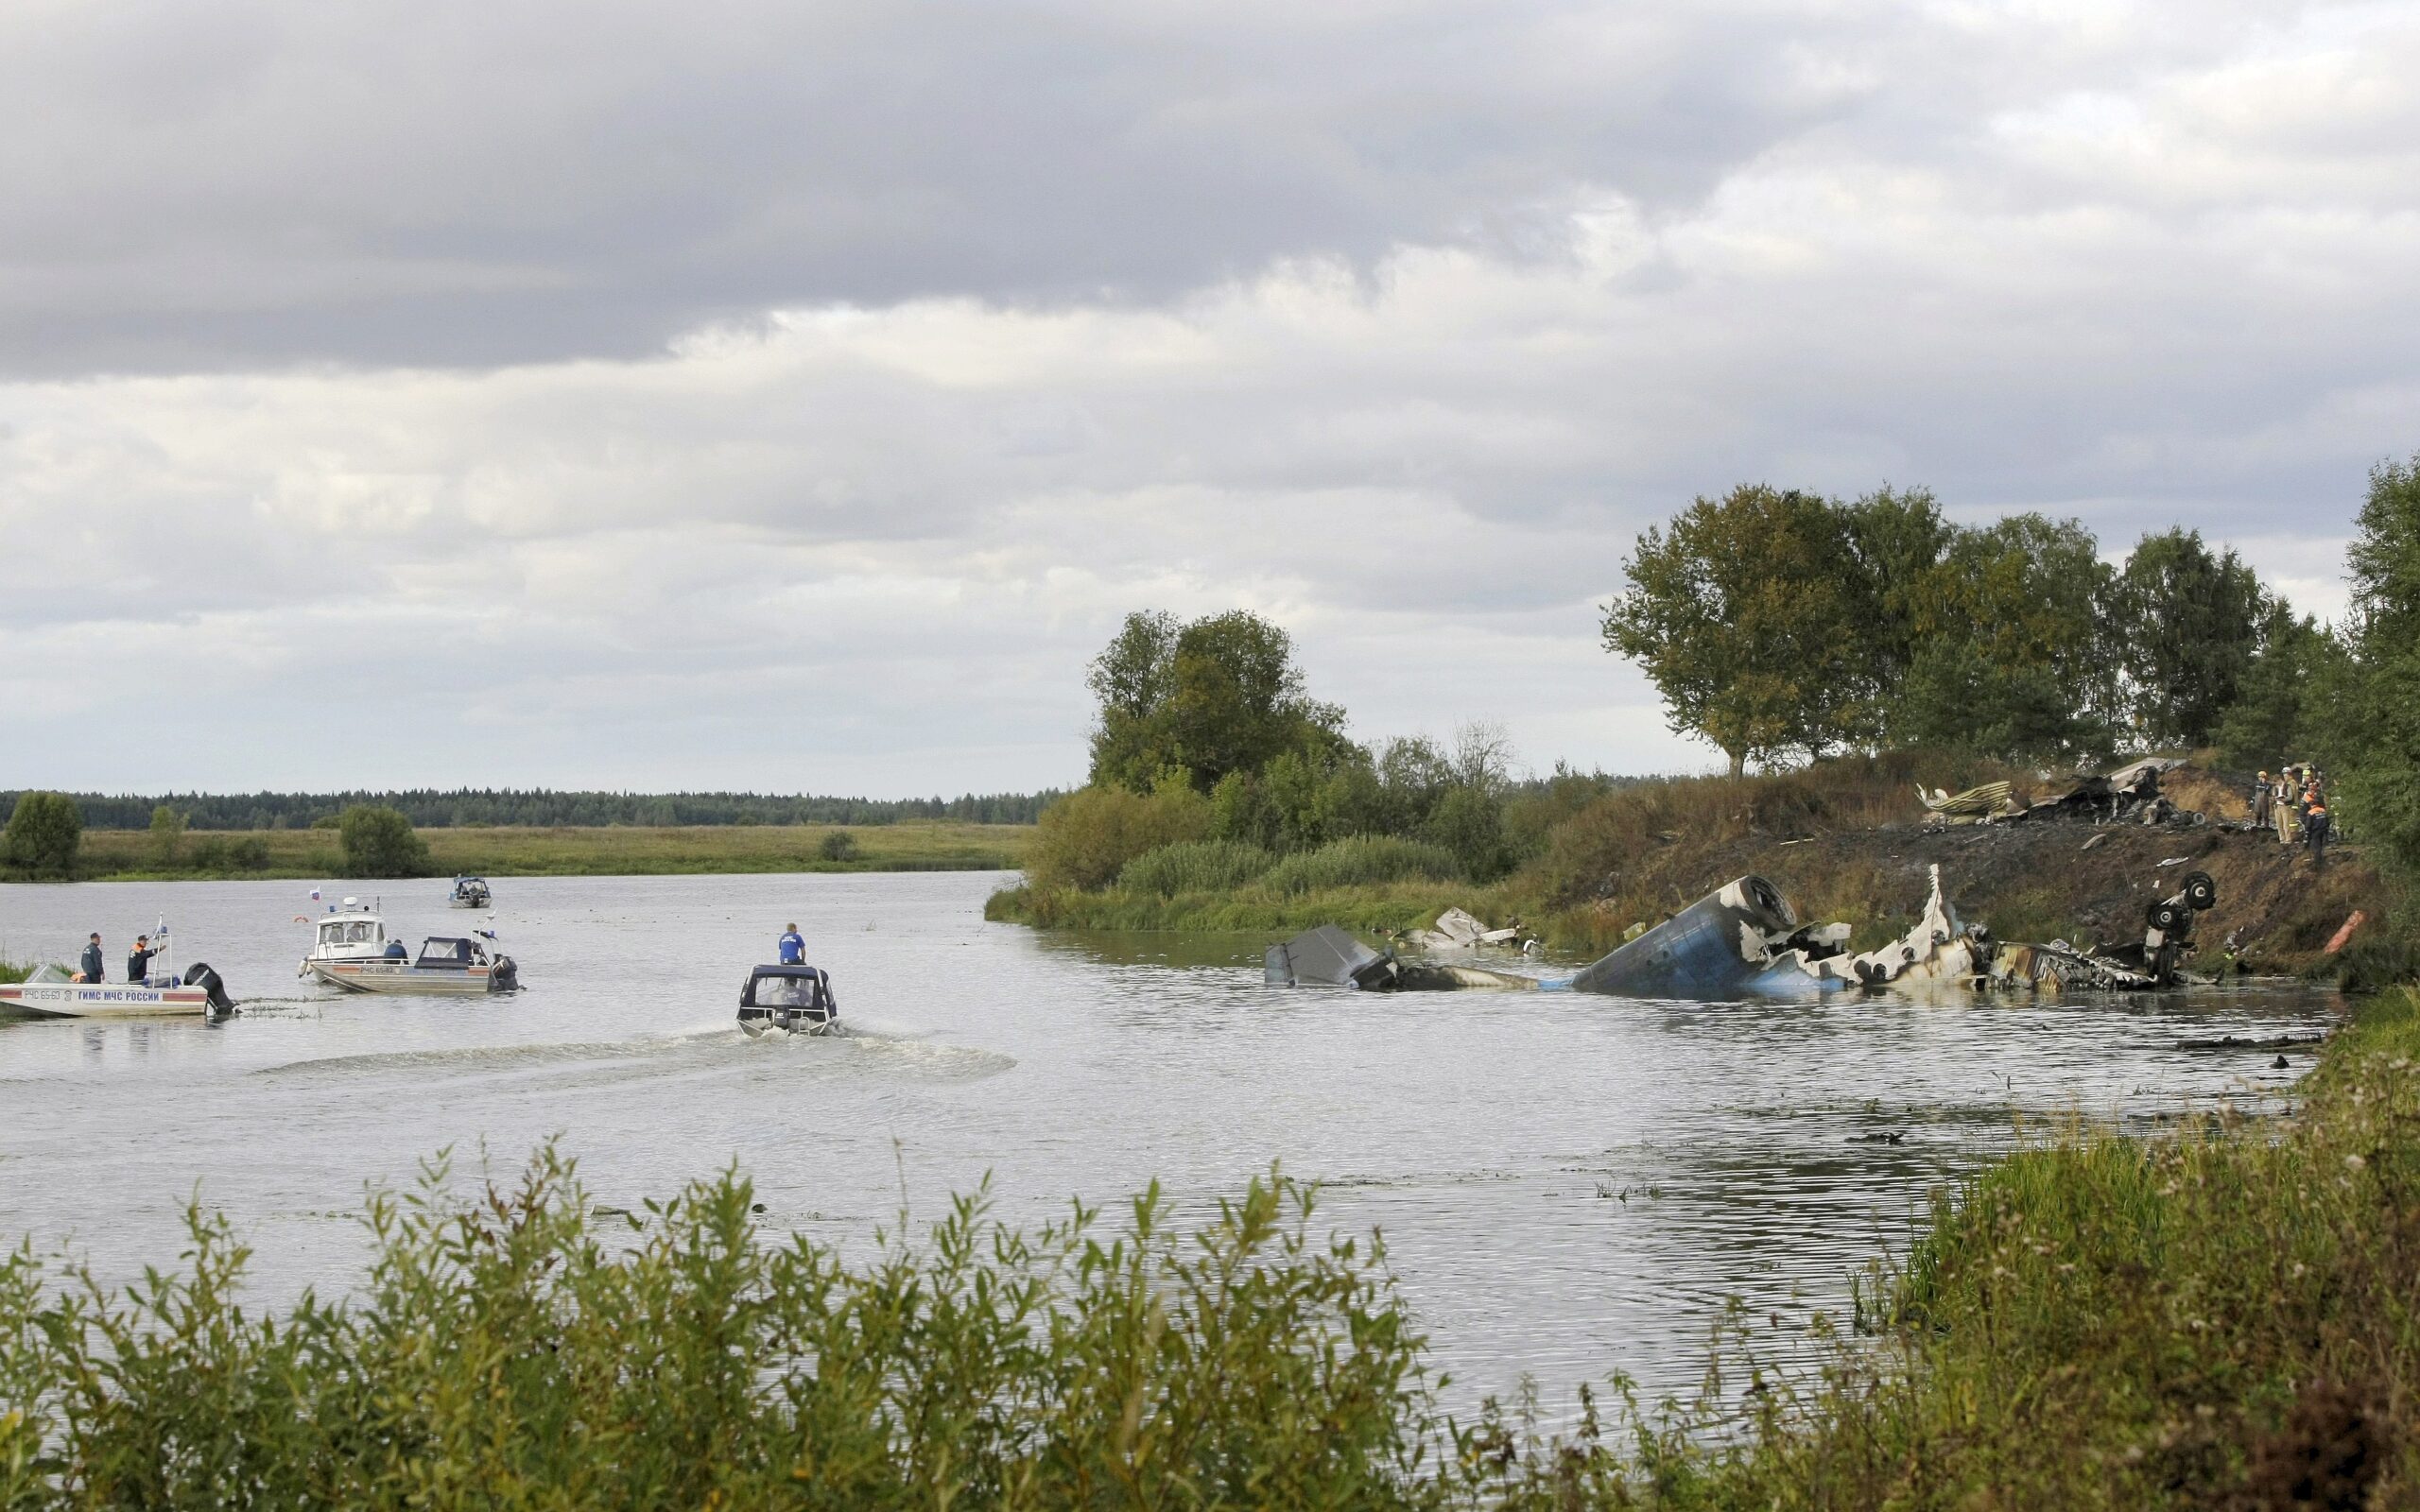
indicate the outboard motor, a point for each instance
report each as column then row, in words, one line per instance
column 199, row 974
column 503, row 976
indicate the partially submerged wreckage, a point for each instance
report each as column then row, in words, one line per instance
column 1744, row 940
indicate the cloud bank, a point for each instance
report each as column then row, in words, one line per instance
column 588, row 397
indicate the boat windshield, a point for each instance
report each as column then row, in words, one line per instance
column 451, row 955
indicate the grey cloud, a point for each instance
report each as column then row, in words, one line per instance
column 388, row 182
column 1511, row 312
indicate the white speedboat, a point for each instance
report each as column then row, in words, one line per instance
column 351, row 949
column 793, row 999
column 469, row 892
column 350, row 931
column 447, row 965
column 53, row 992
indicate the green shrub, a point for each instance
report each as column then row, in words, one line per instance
column 1085, row 839
column 839, row 846
column 1360, row 861
column 379, row 842
column 45, row 831
column 528, row 1350
column 1194, row 866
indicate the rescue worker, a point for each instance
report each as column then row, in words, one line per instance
column 91, row 961
column 2315, row 827
column 2261, row 797
column 793, row 948
column 138, row 960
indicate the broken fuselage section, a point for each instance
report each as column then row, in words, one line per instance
column 1327, row 957
column 1744, row 940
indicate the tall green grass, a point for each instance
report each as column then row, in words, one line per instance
column 1361, row 860
column 1194, row 866
column 519, row 1351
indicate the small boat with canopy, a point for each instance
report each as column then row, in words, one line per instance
column 788, row 999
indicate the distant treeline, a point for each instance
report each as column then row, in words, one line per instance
column 467, row 807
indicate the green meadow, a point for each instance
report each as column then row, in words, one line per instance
column 112, row 855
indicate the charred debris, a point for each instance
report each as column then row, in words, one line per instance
column 2130, row 795
column 1744, row 940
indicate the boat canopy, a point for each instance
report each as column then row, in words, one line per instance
column 794, row 987
column 443, row 952
column 352, row 929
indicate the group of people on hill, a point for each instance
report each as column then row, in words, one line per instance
column 2295, row 801
column 138, row 960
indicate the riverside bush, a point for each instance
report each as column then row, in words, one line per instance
column 1084, row 839
column 1363, row 860
column 1194, row 866
column 527, row 1350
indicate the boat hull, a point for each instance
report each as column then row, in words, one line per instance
column 102, row 1000
column 403, row 979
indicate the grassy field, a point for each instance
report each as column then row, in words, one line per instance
column 617, row 850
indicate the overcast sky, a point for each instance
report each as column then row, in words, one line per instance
column 794, row 397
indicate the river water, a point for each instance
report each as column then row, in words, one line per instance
column 1570, row 1185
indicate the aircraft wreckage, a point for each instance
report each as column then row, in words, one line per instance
column 1744, row 940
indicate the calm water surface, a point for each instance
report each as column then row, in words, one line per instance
column 1570, row 1185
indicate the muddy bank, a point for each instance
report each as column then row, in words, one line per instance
column 2033, row 881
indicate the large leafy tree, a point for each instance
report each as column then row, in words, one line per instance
column 2012, row 653
column 45, row 831
column 1896, row 541
column 2188, row 624
column 1744, row 613
column 1219, row 695
column 2271, row 721
column 379, row 842
column 2368, row 710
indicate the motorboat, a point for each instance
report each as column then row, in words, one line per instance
column 447, row 966
column 351, row 931
column 791, row 999
column 52, row 991
column 469, row 892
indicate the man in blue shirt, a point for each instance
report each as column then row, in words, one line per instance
column 92, row 962
column 793, row 948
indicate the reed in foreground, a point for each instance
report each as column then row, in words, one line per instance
column 521, row 1350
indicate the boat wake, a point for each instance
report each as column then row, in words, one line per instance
column 704, row 1051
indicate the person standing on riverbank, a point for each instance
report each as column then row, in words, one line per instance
column 2315, row 827
column 91, row 961
column 2263, row 794
column 793, row 948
